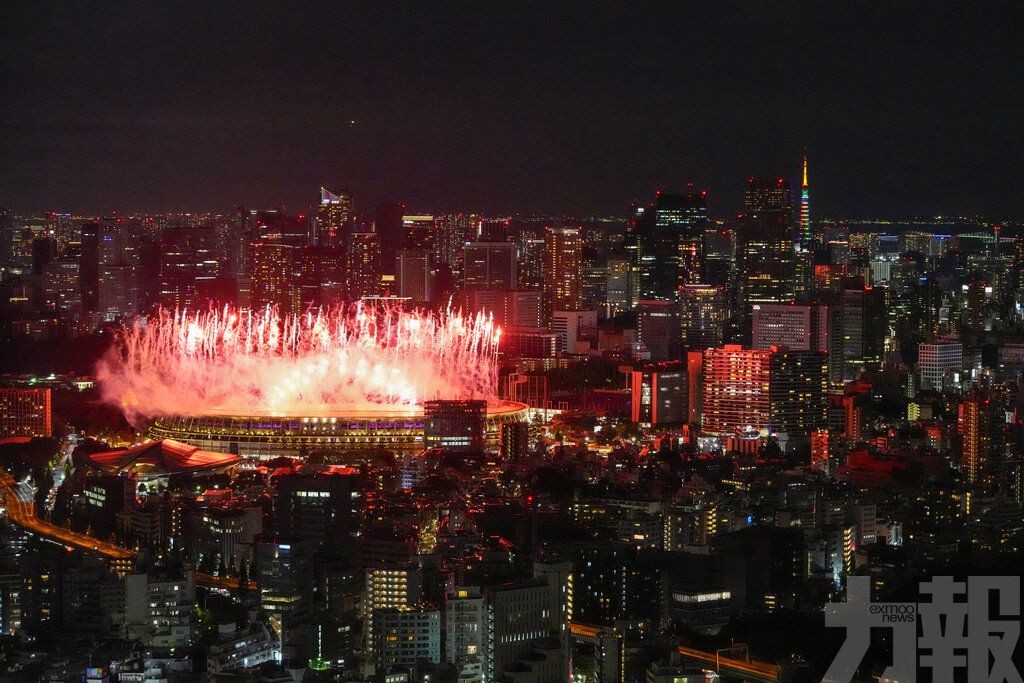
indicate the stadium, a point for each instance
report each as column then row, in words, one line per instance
column 396, row 429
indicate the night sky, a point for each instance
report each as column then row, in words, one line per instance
column 558, row 108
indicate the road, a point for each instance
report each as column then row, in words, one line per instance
column 17, row 497
column 18, row 500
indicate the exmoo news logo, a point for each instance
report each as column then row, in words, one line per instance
column 966, row 627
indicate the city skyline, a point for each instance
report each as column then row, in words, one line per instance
column 550, row 111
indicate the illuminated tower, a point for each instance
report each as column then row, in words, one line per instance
column 805, row 211
column 563, row 249
column 333, row 215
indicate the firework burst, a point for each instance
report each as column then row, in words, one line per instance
column 244, row 361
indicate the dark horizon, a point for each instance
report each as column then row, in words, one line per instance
column 146, row 108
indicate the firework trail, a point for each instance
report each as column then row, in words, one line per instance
column 256, row 362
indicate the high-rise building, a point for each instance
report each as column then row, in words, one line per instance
column 702, row 315
column 510, row 308
column 333, row 216
column 363, row 265
column 563, row 264
column 465, row 617
column 765, row 247
column 276, row 226
column 316, row 268
column 763, row 390
column 658, row 394
column 939, row 362
column 188, row 255
column 317, row 509
column 489, row 265
column 388, row 224
column 671, row 244
column 520, row 628
column 454, row 425
column 403, row 636
column 25, row 411
column 801, row 327
column 272, row 276
column 865, row 326
column 453, row 232
column 657, row 328
column 620, row 288
column 571, row 327
column 530, row 257
column 419, row 232
column 284, row 579
column 975, row 418
column 89, row 266
column 413, row 275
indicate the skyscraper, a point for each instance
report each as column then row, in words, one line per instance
column 764, row 390
column 766, row 252
column 865, row 326
column 489, row 265
column 413, row 275
column 670, row 240
column 333, row 216
column 362, row 265
column 273, row 276
column 563, row 264
column 388, row 223
column 974, row 424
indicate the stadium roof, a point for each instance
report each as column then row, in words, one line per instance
column 165, row 456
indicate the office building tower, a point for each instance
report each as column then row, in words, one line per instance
column 763, row 390
column 811, row 327
column 277, row 227
column 940, row 363
column 159, row 609
column 865, row 326
column 765, row 248
column 465, row 617
column 572, row 327
column 670, row 241
column 509, row 308
column 975, row 423
column 405, row 636
column 520, row 629
column 719, row 257
column 316, row 268
column 333, row 216
column 702, row 315
column 530, row 259
column 489, row 265
column 453, row 232
column 188, row 256
column 272, row 281
column 659, row 394
column 387, row 222
column 457, row 426
column 419, row 232
column 563, row 249
column 363, row 265
column 284, row 580
column 803, row 328
column 25, row 411
column 89, row 266
column 413, row 275
column 620, row 287
column 316, row 509
column 657, row 329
